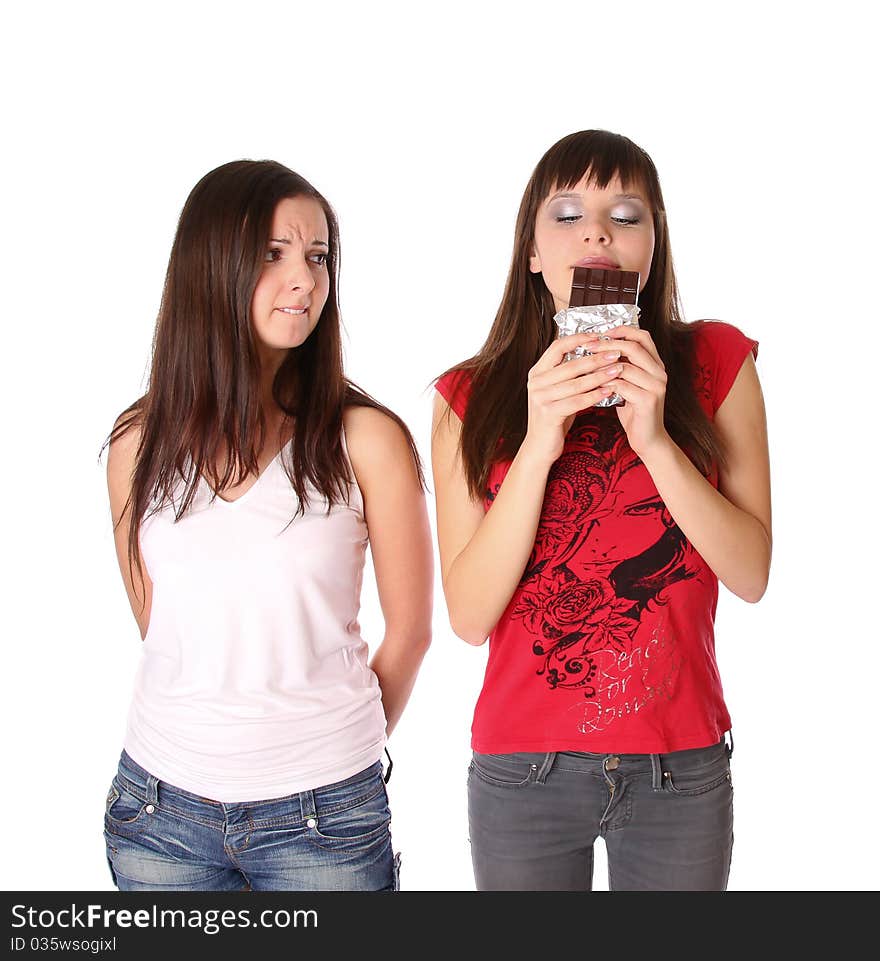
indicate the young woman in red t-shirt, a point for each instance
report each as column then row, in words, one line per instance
column 587, row 542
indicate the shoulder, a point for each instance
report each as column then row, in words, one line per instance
column 125, row 439
column 720, row 350
column 715, row 339
column 362, row 423
column 455, row 387
column 375, row 440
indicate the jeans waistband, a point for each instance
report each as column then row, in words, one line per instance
column 147, row 786
column 614, row 766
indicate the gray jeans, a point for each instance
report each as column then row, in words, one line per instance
column 667, row 820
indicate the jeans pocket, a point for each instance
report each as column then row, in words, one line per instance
column 694, row 781
column 361, row 825
column 502, row 770
column 123, row 809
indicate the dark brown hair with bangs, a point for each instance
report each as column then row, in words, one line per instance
column 203, row 403
column 496, row 418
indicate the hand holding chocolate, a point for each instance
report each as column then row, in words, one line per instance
column 600, row 300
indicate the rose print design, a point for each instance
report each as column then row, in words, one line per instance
column 573, row 618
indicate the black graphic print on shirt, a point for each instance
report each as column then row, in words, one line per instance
column 583, row 598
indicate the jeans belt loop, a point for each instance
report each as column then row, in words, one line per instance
column 546, row 767
column 152, row 789
column 307, row 803
column 656, row 774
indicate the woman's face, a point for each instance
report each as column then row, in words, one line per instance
column 295, row 282
column 585, row 226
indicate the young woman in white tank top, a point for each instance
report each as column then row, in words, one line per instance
column 245, row 486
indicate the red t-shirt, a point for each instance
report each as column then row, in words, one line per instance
column 608, row 644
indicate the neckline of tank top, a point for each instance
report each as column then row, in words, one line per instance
column 222, row 500
column 215, row 497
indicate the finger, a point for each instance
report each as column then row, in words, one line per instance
column 628, row 331
column 629, row 392
column 578, row 385
column 574, row 368
column 641, row 378
column 637, row 353
column 556, row 352
column 578, row 402
column 635, row 335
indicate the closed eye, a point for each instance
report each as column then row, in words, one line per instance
column 647, row 506
column 624, row 221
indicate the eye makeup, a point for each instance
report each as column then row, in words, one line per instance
column 568, row 210
column 565, row 211
column 629, row 213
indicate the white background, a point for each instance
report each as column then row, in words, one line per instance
column 421, row 126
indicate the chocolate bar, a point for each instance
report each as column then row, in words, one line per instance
column 600, row 301
column 591, row 286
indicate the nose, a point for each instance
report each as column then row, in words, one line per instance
column 300, row 276
column 595, row 231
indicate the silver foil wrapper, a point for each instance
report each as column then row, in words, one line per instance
column 595, row 320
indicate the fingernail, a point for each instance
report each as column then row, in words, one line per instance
column 613, row 355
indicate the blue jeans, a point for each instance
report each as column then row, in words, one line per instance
column 667, row 820
column 334, row 838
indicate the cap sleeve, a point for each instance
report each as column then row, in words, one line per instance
column 455, row 387
column 722, row 348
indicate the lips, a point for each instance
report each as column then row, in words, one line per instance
column 293, row 310
column 600, row 262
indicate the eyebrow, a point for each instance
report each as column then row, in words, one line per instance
column 284, row 240
column 575, row 196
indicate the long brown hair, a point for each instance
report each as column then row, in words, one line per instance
column 496, row 418
column 203, row 401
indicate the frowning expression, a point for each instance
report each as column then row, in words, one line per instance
column 294, row 283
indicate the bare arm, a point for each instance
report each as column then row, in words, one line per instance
column 400, row 542
column 483, row 554
column 730, row 527
column 120, row 467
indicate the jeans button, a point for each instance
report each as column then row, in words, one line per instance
column 312, row 823
column 149, row 809
column 612, row 763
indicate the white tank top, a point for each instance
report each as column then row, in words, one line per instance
column 254, row 681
